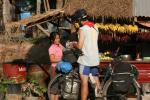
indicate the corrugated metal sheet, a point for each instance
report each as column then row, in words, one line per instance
column 141, row 7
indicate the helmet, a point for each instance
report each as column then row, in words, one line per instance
column 80, row 14
column 64, row 67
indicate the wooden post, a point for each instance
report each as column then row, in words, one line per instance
column 38, row 9
column 1, row 16
column 7, row 14
column 59, row 4
column 6, row 11
column 48, row 6
column 45, row 5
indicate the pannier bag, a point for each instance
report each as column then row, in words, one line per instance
column 71, row 88
column 122, row 77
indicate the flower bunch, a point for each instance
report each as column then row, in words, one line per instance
column 32, row 88
column 130, row 29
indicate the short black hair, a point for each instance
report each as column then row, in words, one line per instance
column 53, row 36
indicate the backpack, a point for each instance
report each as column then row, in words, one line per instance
column 71, row 87
column 122, row 77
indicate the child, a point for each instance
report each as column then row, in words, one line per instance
column 55, row 54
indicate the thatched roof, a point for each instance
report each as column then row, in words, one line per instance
column 115, row 8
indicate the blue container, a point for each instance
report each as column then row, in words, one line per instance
column 25, row 15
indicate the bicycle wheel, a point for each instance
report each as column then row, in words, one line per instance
column 53, row 82
column 109, row 93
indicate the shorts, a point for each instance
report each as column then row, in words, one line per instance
column 86, row 70
column 55, row 88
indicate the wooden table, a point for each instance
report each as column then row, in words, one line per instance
column 143, row 68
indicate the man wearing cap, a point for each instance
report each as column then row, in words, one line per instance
column 88, row 43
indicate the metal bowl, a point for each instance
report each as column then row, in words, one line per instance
column 126, row 57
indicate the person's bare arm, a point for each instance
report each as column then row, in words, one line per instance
column 63, row 48
column 54, row 59
column 79, row 44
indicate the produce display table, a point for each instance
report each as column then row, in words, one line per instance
column 143, row 68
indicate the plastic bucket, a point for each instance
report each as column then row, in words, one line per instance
column 16, row 72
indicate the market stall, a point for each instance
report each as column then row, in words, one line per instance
column 128, row 37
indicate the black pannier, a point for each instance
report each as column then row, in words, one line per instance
column 122, row 77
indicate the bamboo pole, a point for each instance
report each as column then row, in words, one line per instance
column 48, row 6
column 45, row 6
column 38, row 9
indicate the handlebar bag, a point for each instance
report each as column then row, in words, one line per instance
column 72, row 55
column 69, row 56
